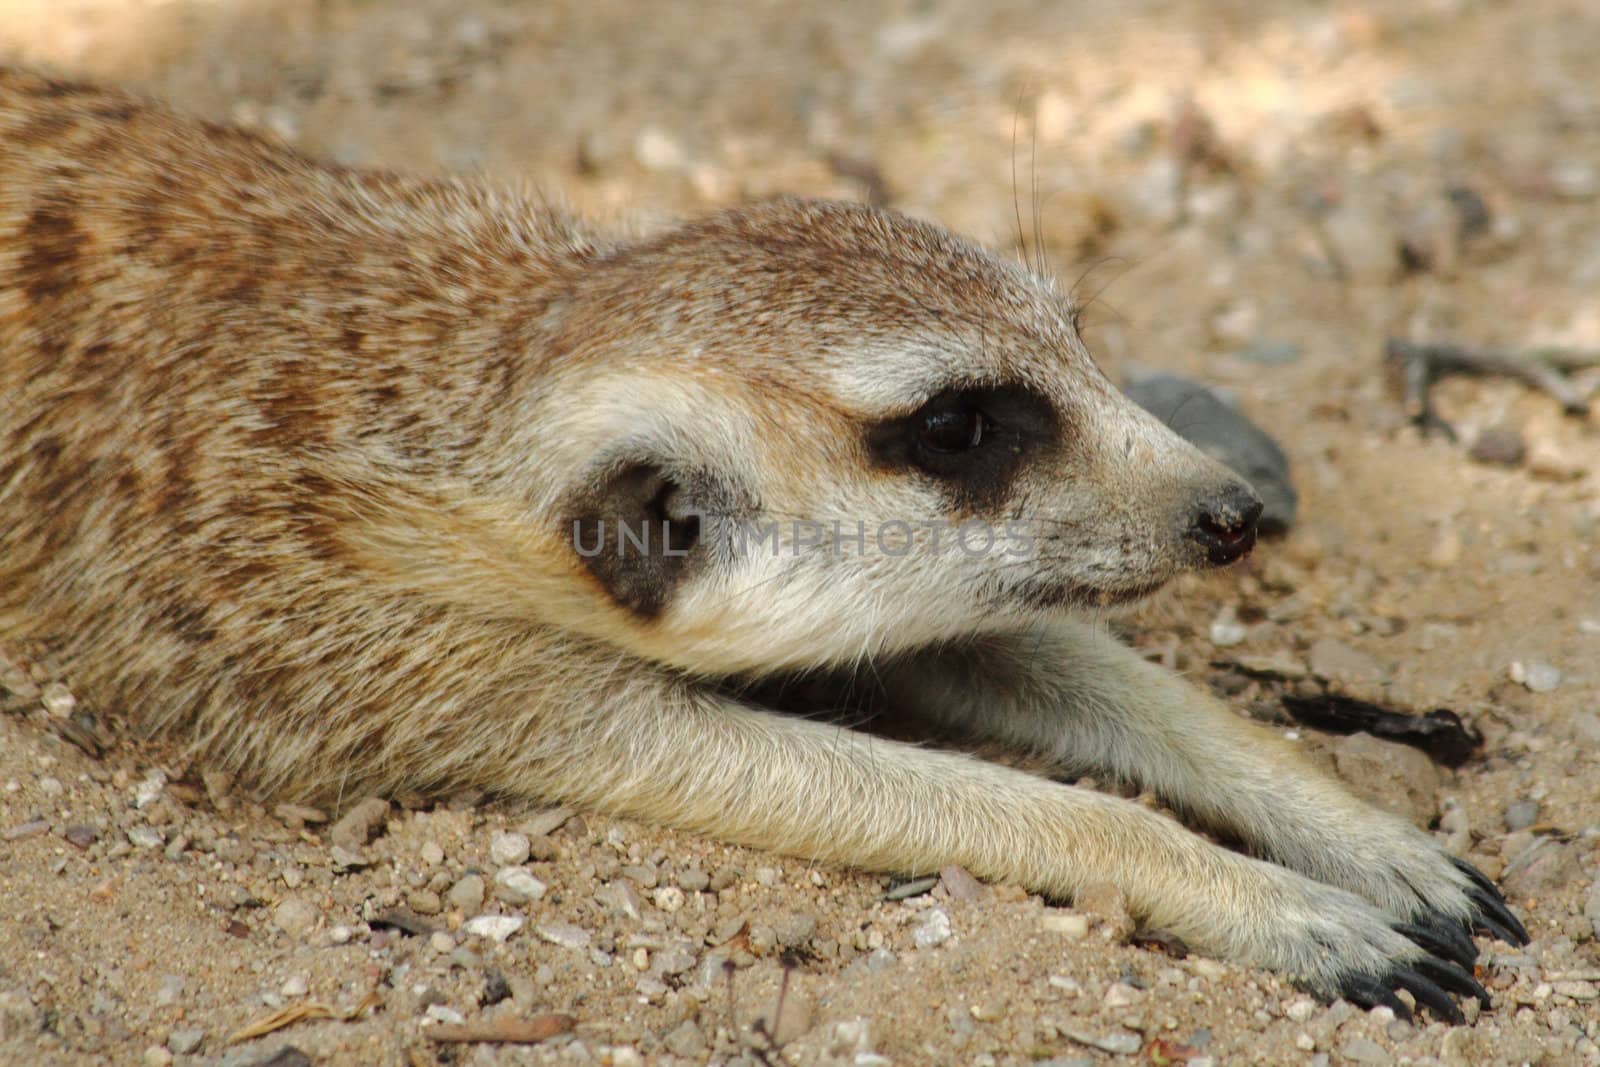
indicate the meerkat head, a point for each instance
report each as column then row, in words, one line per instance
column 804, row 432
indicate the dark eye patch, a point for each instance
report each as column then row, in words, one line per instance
column 972, row 440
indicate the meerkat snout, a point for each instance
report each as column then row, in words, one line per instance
column 1224, row 523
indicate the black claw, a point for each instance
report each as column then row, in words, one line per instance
column 1427, row 994
column 1484, row 924
column 1447, row 975
column 1478, row 877
column 1443, row 939
column 1365, row 991
column 1495, row 918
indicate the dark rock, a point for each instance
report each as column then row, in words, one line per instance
column 1199, row 416
column 1501, row 446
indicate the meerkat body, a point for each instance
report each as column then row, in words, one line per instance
column 356, row 482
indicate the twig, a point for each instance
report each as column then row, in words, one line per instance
column 1545, row 369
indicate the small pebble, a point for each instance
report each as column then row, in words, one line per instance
column 1364, row 1050
column 1121, row 1043
column 294, row 917
column 340, row 935
column 1226, row 629
column 424, row 902
column 466, row 896
column 494, row 927
column 157, row 1056
column 58, row 700
column 440, row 1013
column 1521, row 814
column 170, row 990
column 1538, row 676
column 516, row 885
column 685, row 1039
column 1300, row 1009
column 674, row 960
column 1500, row 446
column 960, row 884
column 795, row 931
column 509, row 849
column 547, row 822
column 145, row 837
column 360, row 824
column 441, row 942
column 1121, row 995
column 81, row 837
column 913, row 888
column 669, row 898
column 432, row 853
column 186, row 1040
column 933, row 930
column 564, row 934
column 294, row 986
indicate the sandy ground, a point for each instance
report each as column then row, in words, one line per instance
column 1253, row 194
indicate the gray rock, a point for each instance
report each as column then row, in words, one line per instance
column 1364, row 1050
column 145, row 837
column 170, row 991
column 685, row 1039
column 1198, row 415
column 509, row 849
column 1541, row 677
column 933, row 930
column 960, row 884
column 1119, row 1042
column 517, row 885
column 565, row 934
column 186, row 1040
column 1521, row 814
column 914, row 888
column 1500, row 446
column 794, row 931
column 360, row 824
column 295, row 917
column 467, row 894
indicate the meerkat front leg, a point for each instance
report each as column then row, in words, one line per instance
column 1074, row 695
column 676, row 753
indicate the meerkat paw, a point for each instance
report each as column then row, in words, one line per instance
column 1437, row 896
column 1337, row 944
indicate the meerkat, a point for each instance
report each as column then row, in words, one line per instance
column 355, row 482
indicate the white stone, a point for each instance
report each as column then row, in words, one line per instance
column 516, row 885
column 566, row 935
column 933, row 930
column 494, row 927
column 509, row 849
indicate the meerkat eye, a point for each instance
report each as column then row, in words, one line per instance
column 956, row 429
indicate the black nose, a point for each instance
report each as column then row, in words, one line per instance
column 1225, row 523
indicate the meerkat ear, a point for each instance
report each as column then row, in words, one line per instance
column 637, row 529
